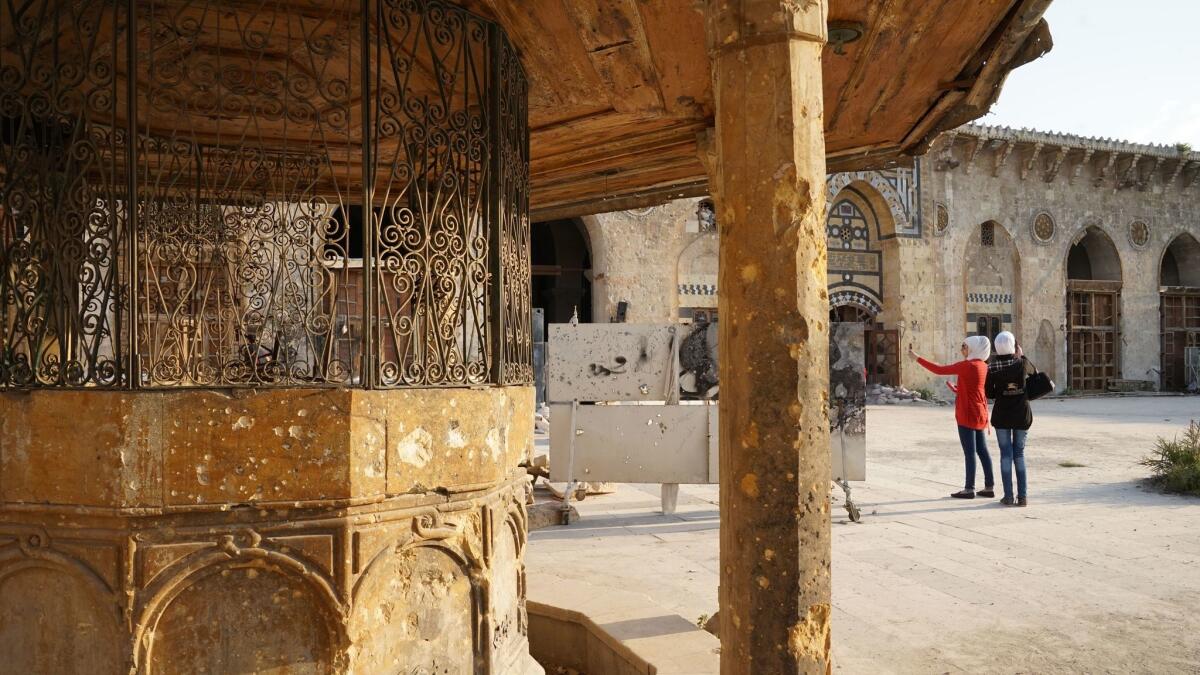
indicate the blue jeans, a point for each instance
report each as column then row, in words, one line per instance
column 973, row 443
column 1012, row 453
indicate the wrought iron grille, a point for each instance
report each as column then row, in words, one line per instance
column 214, row 193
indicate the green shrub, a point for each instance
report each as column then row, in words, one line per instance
column 1176, row 462
column 925, row 394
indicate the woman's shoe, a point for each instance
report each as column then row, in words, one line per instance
column 987, row 492
column 964, row 494
column 1007, row 501
column 1021, row 501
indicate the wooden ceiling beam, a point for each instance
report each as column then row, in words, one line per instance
column 615, row 40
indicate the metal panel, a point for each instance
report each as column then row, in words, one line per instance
column 634, row 443
column 847, row 401
column 661, row 444
column 609, row 362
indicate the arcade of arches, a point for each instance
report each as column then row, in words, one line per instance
column 993, row 230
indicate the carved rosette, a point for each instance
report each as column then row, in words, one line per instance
column 942, row 219
column 1139, row 234
column 1043, row 228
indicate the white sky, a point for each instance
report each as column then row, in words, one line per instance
column 1120, row 69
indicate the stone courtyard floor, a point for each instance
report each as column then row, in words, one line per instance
column 1097, row 575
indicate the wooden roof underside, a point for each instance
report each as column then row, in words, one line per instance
column 621, row 88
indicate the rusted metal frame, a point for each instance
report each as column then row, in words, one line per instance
column 368, row 361
column 494, row 191
column 132, row 367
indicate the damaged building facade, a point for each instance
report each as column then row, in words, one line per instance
column 1087, row 249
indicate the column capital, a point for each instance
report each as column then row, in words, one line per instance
column 738, row 24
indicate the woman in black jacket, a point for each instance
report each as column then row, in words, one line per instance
column 1011, row 415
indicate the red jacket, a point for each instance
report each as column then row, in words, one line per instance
column 970, row 407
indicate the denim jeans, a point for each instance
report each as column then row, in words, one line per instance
column 973, row 443
column 1012, row 453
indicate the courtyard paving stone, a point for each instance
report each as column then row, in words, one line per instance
column 1098, row 574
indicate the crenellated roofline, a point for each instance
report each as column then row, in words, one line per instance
column 1025, row 135
column 1107, row 162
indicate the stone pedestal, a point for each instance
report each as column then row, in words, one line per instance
column 769, row 183
column 290, row 531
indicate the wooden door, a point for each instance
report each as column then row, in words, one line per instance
column 1093, row 334
column 883, row 357
column 1179, row 315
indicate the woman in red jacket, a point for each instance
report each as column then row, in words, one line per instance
column 970, row 409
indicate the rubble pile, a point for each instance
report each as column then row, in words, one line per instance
column 881, row 394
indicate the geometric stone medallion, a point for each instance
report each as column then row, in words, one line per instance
column 1043, row 228
column 943, row 219
column 1139, row 234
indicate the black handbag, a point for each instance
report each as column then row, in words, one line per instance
column 1038, row 384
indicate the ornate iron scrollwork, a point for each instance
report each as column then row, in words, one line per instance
column 314, row 195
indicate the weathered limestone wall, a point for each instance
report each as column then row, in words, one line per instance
column 936, row 274
column 635, row 256
column 297, row 531
column 1014, row 190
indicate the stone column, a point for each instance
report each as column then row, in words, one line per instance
column 769, row 181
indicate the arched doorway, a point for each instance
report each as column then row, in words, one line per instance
column 991, row 281
column 1179, row 314
column 856, row 225
column 1093, row 311
column 562, row 270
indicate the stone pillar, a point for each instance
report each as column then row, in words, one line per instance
column 775, row 475
column 297, row 531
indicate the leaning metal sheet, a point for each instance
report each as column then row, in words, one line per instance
column 847, row 401
column 635, row 443
column 669, row 443
column 608, row 362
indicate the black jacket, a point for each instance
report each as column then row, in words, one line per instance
column 1006, row 384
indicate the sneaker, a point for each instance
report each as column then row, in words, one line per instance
column 987, row 492
column 1021, row 501
column 1007, row 501
column 964, row 494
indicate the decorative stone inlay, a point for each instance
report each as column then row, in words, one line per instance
column 1043, row 228
column 1139, row 234
column 942, row 223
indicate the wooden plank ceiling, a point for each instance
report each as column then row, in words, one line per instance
column 620, row 89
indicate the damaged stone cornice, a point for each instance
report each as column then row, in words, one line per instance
column 1032, row 160
column 1004, row 149
column 1084, row 161
column 1170, row 162
column 1059, row 157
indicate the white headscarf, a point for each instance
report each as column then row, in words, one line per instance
column 978, row 347
column 1006, row 344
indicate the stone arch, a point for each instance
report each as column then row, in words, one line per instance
column 562, row 264
column 1179, row 305
column 1045, row 348
column 509, row 620
column 208, row 597
column 430, row 596
column 62, row 614
column 1093, row 284
column 860, row 248
column 991, row 280
column 882, row 194
column 1179, row 263
column 696, row 274
column 1093, row 256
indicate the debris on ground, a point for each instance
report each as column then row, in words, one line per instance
column 882, row 394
